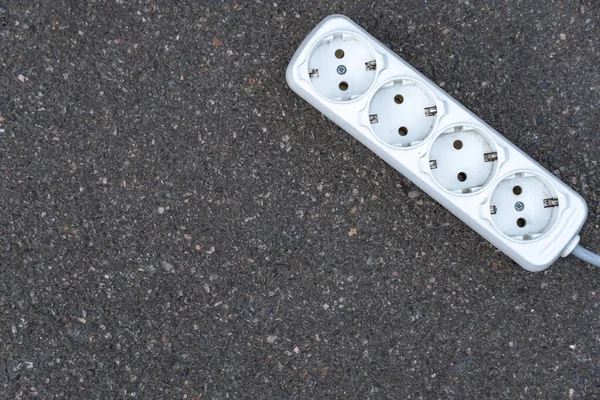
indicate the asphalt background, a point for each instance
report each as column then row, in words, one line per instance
column 176, row 223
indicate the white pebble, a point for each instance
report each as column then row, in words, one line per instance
column 271, row 339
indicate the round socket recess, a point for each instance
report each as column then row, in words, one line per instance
column 342, row 66
column 524, row 206
column 463, row 159
column 403, row 112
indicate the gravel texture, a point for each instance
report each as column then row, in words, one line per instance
column 176, row 223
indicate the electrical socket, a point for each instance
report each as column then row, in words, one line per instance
column 342, row 66
column 398, row 112
column 437, row 143
column 463, row 159
column 524, row 206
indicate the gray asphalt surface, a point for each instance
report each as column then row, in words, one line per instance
column 175, row 223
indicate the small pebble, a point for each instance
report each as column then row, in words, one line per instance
column 271, row 339
column 168, row 266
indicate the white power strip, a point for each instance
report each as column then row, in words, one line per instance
column 437, row 143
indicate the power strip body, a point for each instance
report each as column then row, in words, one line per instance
column 475, row 206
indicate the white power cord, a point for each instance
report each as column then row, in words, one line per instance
column 587, row 256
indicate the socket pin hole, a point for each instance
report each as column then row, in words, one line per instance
column 458, row 144
column 402, row 131
column 517, row 190
column 343, row 86
column 339, row 53
column 398, row 99
column 461, row 176
column 521, row 222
